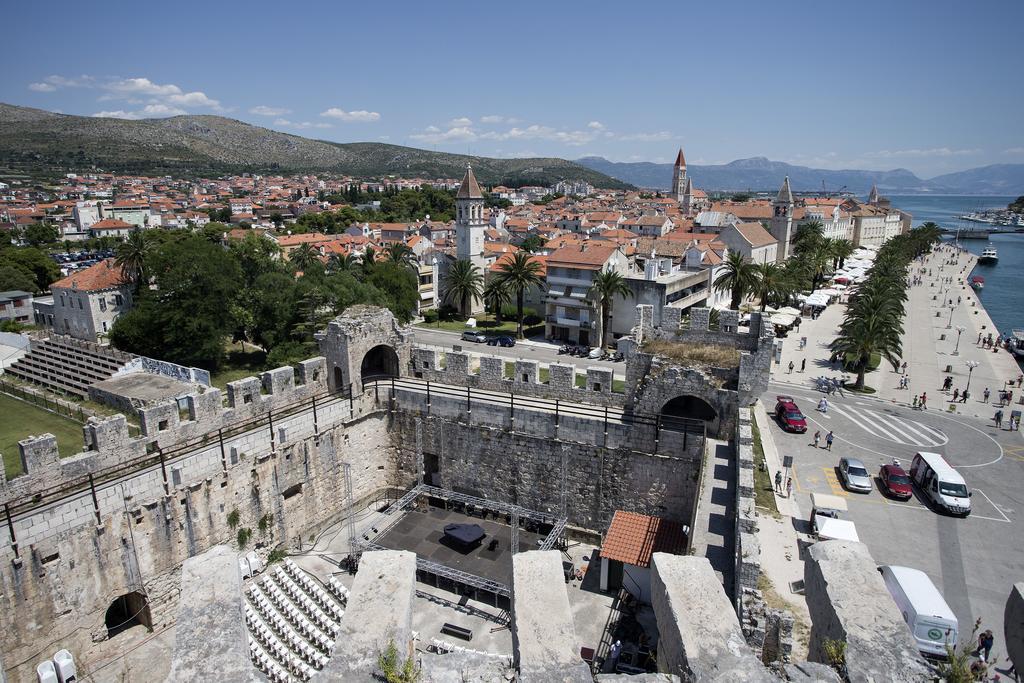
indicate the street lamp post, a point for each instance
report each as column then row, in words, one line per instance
column 959, row 330
column 971, row 364
column 949, row 323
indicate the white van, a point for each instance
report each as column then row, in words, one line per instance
column 942, row 484
column 929, row 617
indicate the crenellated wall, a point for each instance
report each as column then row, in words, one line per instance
column 525, row 380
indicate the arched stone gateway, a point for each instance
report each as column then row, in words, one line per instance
column 689, row 407
column 126, row 611
column 380, row 361
column 363, row 342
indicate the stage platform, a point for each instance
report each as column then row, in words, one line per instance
column 422, row 532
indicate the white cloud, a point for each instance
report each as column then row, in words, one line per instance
column 434, row 135
column 595, row 125
column 141, row 86
column 493, row 118
column 263, row 110
column 359, row 116
column 117, row 114
column 194, row 99
column 302, row 125
column 165, row 97
column 1014, row 151
column 160, row 109
column 41, row 87
column 461, row 121
column 660, row 136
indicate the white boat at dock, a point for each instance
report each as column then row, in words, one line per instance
column 989, row 255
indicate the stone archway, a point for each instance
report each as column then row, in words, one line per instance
column 690, row 407
column 126, row 611
column 380, row 361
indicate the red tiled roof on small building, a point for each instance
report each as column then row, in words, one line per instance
column 102, row 275
column 632, row 538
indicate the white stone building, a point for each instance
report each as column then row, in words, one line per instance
column 86, row 303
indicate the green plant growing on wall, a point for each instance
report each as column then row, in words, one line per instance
column 393, row 671
column 835, row 654
column 957, row 668
column 264, row 523
column 233, row 519
column 243, row 537
column 276, row 555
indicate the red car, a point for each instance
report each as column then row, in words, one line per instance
column 789, row 416
column 895, row 482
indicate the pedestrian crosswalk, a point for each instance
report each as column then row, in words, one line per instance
column 892, row 428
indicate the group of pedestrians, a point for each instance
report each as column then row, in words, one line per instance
column 1014, row 422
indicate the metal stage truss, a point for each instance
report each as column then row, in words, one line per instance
column 386, row 520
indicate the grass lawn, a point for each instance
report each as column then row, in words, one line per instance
column 487, row 325
column 763, row 485
column 242, row 361
column 873, row 362
column 22, row 419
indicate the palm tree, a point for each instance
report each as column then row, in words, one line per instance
column 807, row 235
column 496, row 297
column 131, row 258
column 341, row 263
column 608, row 284
column 772, row 281
column 840, row 250
column 462, row 284
column 518, row 274
column 303, row 257
column 400, row 254
column 816, row 258
column 872, row 328
column 738, row 276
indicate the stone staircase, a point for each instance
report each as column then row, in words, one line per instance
column 69, row 365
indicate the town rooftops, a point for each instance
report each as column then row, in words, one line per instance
column 13, row 295
column 590, row 255
column 111, row 224
column 97, row 277
column 755, row 234
column 632, row 538
column 498, row 265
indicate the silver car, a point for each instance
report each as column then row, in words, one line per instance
column 854, row 475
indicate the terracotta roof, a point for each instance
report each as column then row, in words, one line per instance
column 102, row 275
column 632, row 538
column 111, row 224
column 588, row 255
column 302, row 238
column 755, row 234
column 496, row 267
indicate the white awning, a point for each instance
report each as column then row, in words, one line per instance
column 783, row 319
column 830, row 529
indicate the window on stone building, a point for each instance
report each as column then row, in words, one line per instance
column 103, row 303
column 118, row 300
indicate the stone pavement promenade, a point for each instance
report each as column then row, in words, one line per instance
column 927, row 354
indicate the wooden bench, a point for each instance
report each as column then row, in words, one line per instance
column 457, row 631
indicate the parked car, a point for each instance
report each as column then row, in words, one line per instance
column 474, row 336
column 895, row 481
column 940, row 483
column 503, row 340
column 854, row 475
column 789, row 416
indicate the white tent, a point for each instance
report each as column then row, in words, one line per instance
column 782, row 319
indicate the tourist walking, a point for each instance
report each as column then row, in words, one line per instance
column 956, row 395
column 1020, row 379
column 803, row 365
column 999, row 419
column 924, row 401
column 985, row 394
column 817, row 438
column 778, row 481
column 903, row 367
column 963, row 397
column 789, row 487
column 915, row 402
column 823, row 405
column 791, row 367
column 985, row 642
column 828, row 440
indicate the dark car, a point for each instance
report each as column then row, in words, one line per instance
column 895, row 482
column 503, row 340
column 789, row 416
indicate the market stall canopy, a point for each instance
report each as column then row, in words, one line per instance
column 783, row 319
column 789, row 310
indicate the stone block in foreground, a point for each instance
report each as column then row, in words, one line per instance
column 543, row 635
column 848, row 601
column 700, row 636
column 1013, row 625
column 211, row 641
column 379, row 611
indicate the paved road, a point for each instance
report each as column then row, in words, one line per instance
column 973, row 561
column 538, row 350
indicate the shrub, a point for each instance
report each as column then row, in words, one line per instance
column 395, row 672
column 430, row 315
column 233, row 518
column 243, row 537
column 448, row 313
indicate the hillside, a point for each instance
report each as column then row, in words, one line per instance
column 32, row 140
column 758, row 173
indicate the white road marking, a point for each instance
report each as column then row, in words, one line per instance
column 912, row 426
column 996, row 507
column 867, row 423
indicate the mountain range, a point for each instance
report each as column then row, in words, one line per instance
column 37, row 141
column 759, row 173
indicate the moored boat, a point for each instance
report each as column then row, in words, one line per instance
column 977, row 282
column 989, row 255
column 1016, row 345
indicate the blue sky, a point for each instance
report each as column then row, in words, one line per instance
column 929, row 86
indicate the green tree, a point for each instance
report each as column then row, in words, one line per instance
column 31, row 260
column 187, row 317
column 341, row 263
column 400, row 254
column 131, row 257
column 738, row 276
column 399, row 285
column 14, row 277
column 39, row 234
column 607, row 285
column 462, row 283
column 532, row 243
column 303, row 257
column 496, row 297
column 840, row 250
column 772, row 283
column 518, row 274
